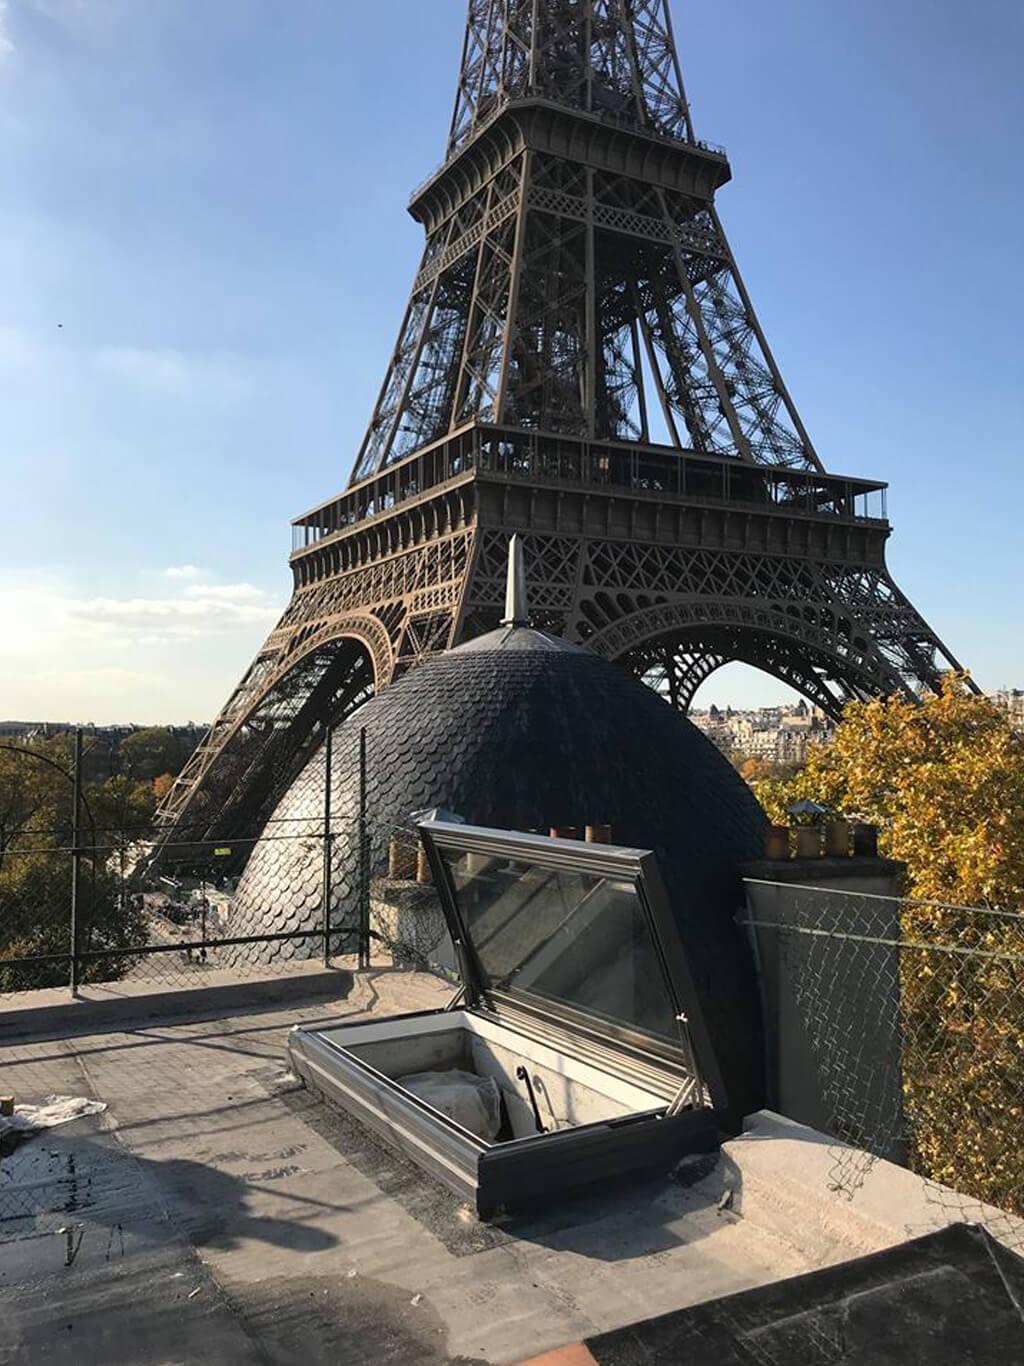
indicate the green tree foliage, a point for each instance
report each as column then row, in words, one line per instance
column 757, row 770
column 34, row 922
column 29, row 796
column 36, row 870
column 943, row 780
column 123, row 810
column 148, row 754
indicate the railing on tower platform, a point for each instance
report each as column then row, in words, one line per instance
column 601, row 116
column 689, row 477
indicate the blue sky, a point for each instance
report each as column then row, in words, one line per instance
column 204, row 256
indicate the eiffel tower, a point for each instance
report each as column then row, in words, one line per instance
column 579, row 362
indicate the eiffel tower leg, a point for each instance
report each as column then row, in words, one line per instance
column 674, row 672
column 338, row 641
column 267, row 728
column 677, row 665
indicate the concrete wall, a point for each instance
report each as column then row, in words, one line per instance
column 831, row 1004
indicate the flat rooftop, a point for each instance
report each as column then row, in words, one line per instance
column 217, row 1211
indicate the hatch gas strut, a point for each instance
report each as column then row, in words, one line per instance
column 523, row 1075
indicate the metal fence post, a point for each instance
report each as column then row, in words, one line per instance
column 364, row 870
column 328, row 842
column 203, row 915
column 76, row 856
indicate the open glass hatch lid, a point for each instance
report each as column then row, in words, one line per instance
column 577, row 1018
column 577, row 938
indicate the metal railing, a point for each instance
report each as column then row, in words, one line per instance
column 645, row 471
column 86, row 901
column 123, row 903
column 173, row 929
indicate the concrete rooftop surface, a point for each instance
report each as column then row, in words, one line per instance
column 216, row 1212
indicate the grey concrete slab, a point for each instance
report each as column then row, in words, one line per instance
column 307, row 1238
column 950, row 1298
column 164, row 1308
column 840, row 1201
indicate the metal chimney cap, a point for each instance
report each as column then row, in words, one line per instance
column 517, row 609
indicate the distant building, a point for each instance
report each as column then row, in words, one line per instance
column 785, row 736
column 1011, row 701
column 770, row 733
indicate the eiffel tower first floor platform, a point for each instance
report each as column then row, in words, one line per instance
column 672, row 563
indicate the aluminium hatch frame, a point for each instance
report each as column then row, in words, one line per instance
column 533, row 1168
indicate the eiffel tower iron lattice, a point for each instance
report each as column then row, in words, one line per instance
column 580, row 362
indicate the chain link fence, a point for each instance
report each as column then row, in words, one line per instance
column 77, row 918
column 129, row 904
column 897, row 1026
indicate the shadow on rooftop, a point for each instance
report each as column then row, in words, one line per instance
column 612, row 1223
column 76, row 1177
column 211, row 1207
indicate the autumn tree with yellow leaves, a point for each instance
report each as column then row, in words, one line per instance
column 943, row 779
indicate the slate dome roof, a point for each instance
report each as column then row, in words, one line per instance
column 521, row 730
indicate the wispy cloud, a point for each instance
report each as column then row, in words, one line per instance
column 37, row 617
column 173, row 653
column 79, row 678
column 233, row 593
column 6, row 43
column 103, row 18
column 62, row 11
column 196, row 377
column 177, row 572
column 207, row 375
column 202, row 613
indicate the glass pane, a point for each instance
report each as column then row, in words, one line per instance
column 574, row 937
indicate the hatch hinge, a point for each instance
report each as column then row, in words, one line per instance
column 470, row 985
column 684, row 1098
column 691, row 1092
column 457, row 999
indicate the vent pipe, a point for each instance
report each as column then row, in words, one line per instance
column 517, row 611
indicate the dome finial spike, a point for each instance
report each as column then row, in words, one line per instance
column 517, row 610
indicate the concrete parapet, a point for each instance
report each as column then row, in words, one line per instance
column 52, row 1013
column 833, row 1201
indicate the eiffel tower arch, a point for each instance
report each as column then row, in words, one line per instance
column 579, row 362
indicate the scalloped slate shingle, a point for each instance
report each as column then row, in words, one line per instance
column 519, row 730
